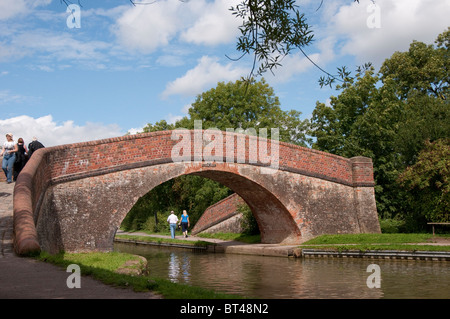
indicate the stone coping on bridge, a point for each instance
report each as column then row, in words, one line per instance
column 58, row 164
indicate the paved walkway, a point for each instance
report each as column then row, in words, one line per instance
column 24, row 278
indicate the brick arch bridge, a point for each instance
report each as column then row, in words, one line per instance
column 73, row 197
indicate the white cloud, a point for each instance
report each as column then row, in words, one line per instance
column 206, row 74
column 401, row 22
column 7, row 97
column 49, row 47
column 297, row 63
column 60, row 46
column 185, row 109
column 171, row 119
column 13, row 8
column 146, row 28
column 135, row 130
column 51, row 133
column 170, row 60
column 215, row 25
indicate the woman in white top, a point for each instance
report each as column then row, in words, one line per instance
column 9, row 156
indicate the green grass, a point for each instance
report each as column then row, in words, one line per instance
column 102, row 266
column 363, row 242
column 198, row 243
column 365, row 247
column 369, row 239
column 249, row 239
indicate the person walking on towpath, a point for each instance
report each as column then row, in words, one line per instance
column 172, row 220
column 184, row 223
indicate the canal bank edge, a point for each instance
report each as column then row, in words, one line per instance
column 274, row 250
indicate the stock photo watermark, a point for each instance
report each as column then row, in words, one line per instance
column 374, row 279
column 374, row 19
column 74, row 19
column 208, row 146
column 74, row 280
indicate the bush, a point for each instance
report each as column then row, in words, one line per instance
column 158, row 226
column 248, row 221
column 391, row 226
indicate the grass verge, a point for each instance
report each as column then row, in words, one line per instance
column 102, row 266
column 198, row 243
column 249, row 239
column 375, row 242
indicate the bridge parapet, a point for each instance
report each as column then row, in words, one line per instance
column 77, row 160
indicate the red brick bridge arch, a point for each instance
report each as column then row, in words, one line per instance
column 73, row 197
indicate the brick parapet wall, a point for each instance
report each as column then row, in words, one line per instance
column 218, row 212
column 69, row 161
column 29, row 191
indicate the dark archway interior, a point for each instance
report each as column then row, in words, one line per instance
column 274, row 220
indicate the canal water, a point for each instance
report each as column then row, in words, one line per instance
column 287, row 278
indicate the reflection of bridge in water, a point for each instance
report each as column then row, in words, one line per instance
column 73, row 197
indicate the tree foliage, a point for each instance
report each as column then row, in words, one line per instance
column 270, row 30
column 428, row 180
column 388, row 116
column 229, row 105
column 242, row 105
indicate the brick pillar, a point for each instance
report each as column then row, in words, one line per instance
column 362, row 170
column 364, row 195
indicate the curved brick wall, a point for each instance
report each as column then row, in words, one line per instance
column 61, row 164
column 218, row 212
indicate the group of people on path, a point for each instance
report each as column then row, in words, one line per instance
column 16, row 155
column 183, row 221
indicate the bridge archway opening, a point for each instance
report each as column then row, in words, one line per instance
column 274, row 221
column 151, row 210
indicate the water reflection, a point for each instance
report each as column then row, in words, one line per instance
column 274, row 277
column 179, row 268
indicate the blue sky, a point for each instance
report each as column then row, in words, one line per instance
column 126, row 66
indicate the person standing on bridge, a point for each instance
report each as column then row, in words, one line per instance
column 21, row 157
column 9, row 157
column 172, row 220
column 184, row 221
column 34, row 146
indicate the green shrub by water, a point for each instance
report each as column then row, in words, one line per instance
column 391, row 226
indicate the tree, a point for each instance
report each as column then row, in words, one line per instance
column 428, row 180
column 387, row 116
column 270, row 30
column 229, row 105
column 238, row 105
column 158, row 126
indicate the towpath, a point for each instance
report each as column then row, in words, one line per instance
column 28, row 278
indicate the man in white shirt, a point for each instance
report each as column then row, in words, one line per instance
column 172, row 220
